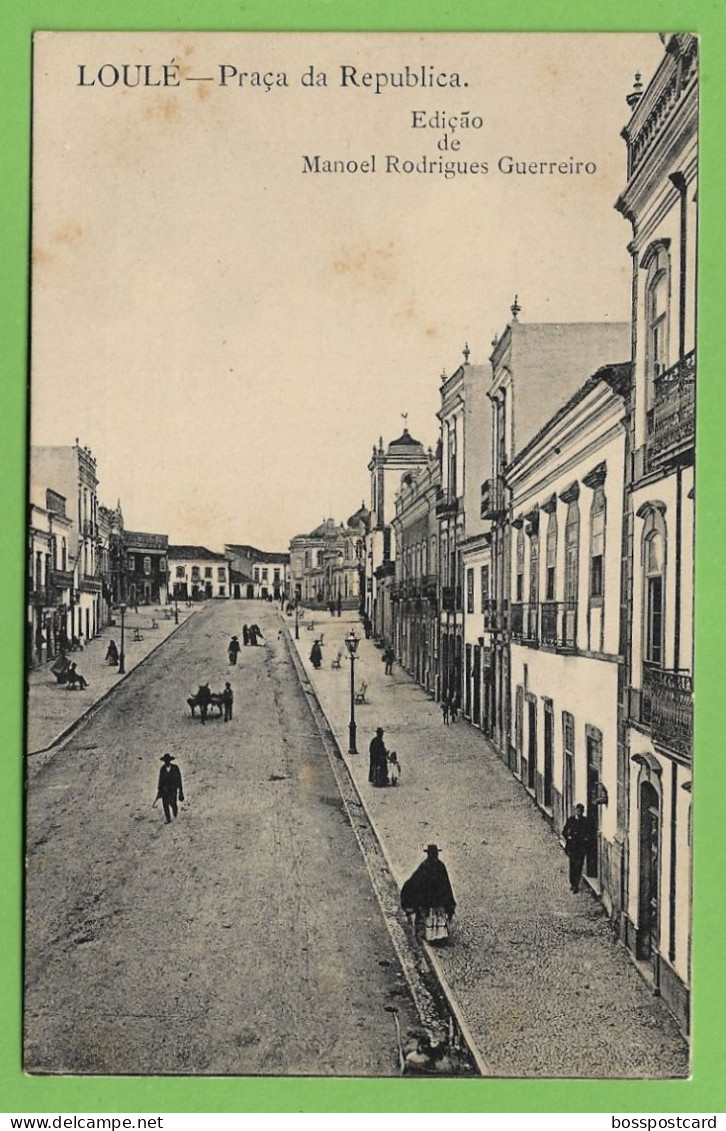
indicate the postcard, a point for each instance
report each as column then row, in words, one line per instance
column 359, row 617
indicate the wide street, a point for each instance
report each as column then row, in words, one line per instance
column 244, row 938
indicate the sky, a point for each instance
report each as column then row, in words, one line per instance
column 231, row 335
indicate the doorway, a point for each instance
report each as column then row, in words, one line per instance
column 649, row 869
column 532, row 742
column 594, row 763
column 548, row 743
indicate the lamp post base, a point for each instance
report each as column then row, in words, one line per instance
column 352, row 748
column 122, row 664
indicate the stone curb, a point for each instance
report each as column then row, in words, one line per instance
column 91, row 711
column 408, row 949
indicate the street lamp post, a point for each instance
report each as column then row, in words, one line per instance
column 351, row 643
column 297, row 619
column 176, row 607
column 122, row 657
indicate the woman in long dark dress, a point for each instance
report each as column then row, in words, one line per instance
column 378, row 766
column 428, row 896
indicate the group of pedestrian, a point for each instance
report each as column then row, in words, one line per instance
column 450, row 706
column 335, row 608
column 251, row 633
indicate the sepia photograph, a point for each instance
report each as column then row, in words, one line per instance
column 359, row 620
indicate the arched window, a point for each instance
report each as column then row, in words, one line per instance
column 552, row 556
column 533, row 532
column 597, row 547
column 657, row 303
column 654, row 562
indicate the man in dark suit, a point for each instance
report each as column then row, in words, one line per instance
column 578, row 834
column 170, row 786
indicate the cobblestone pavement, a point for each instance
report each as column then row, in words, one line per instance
column 244, row 937
column 52, row 709
column 545, row 988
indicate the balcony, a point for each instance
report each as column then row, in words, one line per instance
column 672, row 419
column 90, row 583
column 61, row 578
column 451, row 601
column 558, row 625
column 666, row 706
column 447, row 508
column 492, row 498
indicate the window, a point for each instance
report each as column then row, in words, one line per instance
column 64, row 552
column 195, row 573
column 533, row 565
column 276, row 576
column 147, row 566
column 319, row 558
column 654, row 596
column 221, row 573
column 551, row 563
column 520, row 565
column 208, row 571
column 470, row 591
column 657, row 297
column 484, row 585
column 264, row 574
column 568, row 768
column 180, row 571
column 572, row 552
column 519, row 723
column 257, row 573
column 162, row 565
column 131, row 562
column 597, row 546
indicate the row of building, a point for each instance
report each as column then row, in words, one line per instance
column 537, row 566
column 83, row 562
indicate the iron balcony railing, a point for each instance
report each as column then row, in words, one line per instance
column 516, row 624
column 41, row 595
column 558, row 625
column 430, row 586
column 446, row 507
column 61, row 578
column 666, row 706
column 672, row 419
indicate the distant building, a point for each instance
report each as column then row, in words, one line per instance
column 197, row 573
column 50, row 582
column 71, row 473
column 145, row 567
column 260, row 573
column 386, row 466
column 415, row 591
column 328, row 563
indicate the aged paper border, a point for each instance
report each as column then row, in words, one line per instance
column 706, row 1090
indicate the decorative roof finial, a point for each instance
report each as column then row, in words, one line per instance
column 466, row 351
column 636, row 94
column 404, row 417
column 515, row 308
column 495, row 340
column 443, row 375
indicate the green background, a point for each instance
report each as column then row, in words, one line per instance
column 705, row 1091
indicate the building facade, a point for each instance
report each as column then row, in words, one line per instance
column 50, row 582
column 656, row 691
column 415, row 592
column 386, row 467
column 327, row 565
column 197, row 574
column 146, row 567
column 264, row 573
column 564, row 615
column 71, row 473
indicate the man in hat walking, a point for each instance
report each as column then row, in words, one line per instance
column 233, row 650
column 429, row 897
column 579, row 837
column 227, row 701
column 170, row 786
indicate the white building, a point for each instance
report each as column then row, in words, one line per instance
column 660, row 201
column 196, row 573
column 565, row 598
